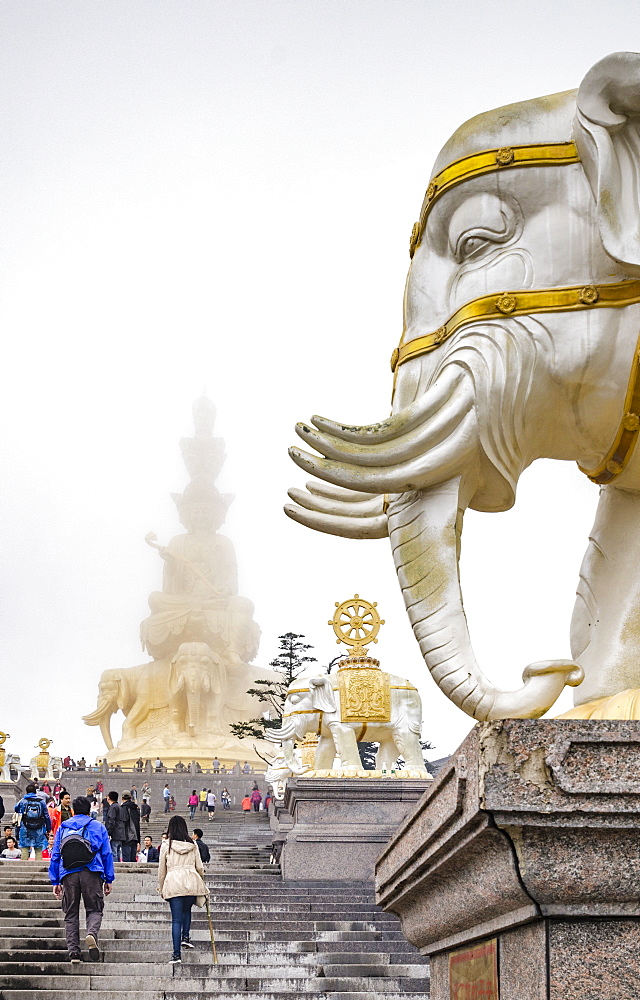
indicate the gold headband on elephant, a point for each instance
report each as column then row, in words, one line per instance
column 569, row 299
column 547, row 154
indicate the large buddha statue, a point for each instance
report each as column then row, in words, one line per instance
column 199, row 598
column 200, row 633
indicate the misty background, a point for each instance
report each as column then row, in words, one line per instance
column 220, row 194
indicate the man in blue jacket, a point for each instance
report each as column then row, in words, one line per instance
column 35, row 823
column 72, row 882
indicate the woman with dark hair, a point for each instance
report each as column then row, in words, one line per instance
column 193, row 804
column 181, row 882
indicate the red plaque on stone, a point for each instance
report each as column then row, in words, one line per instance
column 473, row 972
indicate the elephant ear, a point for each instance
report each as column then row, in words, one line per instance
column 607, row 135
column 322, row 696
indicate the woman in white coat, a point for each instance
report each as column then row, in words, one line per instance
column 181, row 882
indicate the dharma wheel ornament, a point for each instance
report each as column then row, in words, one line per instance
column 356, row 622
column 42, row 759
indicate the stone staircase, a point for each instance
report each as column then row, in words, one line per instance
column 275, row 939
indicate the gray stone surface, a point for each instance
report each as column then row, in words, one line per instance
column 11, row 793
column 340, row 824
column 529, row 834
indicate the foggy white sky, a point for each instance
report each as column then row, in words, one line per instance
column 221, row 193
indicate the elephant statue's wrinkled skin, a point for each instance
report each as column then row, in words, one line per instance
column 471, row 414
column 313, row 705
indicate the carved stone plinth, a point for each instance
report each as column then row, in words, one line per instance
column 339, row 825
column 526, row 842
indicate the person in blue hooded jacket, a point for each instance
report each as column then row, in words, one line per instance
column 35, row 824
column 90, row 881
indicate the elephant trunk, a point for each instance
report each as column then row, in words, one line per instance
column 193, row 708
column 424, row 529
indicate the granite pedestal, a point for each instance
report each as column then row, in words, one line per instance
column 11, row 793
column 522, row 861
column 339, row 825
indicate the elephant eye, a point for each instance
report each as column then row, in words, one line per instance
column 470, row 245
column 294, row 698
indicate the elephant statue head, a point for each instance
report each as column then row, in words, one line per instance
column 307, row 698
column 112, row 696
column 193, row 678
column 520, row 341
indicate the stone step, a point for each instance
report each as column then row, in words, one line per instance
column 229, row 986
column 182, row 994
column 367, row 986
column 365, row 970
column 149, row 969
column 172, row 994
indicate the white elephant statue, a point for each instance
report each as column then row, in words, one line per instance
column 52, row 771
column 281, row 768
column 11, row 763
column 520, row 342
column 315, row 704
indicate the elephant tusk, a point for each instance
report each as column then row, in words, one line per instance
column 442, row 463
column 95, row 718
column 333, row 524
column 401, row 449
column 336, row 492
column 372, row 507
column 400, row 423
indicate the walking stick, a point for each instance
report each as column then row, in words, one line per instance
column 213, row 943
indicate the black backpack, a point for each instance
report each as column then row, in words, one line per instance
column 32, row 815
column 76, row 850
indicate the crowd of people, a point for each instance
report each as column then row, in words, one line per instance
column 43, row 809
column 82, row 849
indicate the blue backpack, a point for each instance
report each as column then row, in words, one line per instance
column 32, row 815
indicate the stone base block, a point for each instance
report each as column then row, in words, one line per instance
column 340, row 825
column 11, row 793
column 518, row 872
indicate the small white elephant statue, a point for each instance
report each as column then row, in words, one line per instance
column 11, row 762
column 314, row 704
column 280, row 769
column 53, row 770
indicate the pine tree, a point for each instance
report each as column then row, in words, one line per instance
column 290, row 662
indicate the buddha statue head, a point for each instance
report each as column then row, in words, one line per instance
column 201, row 507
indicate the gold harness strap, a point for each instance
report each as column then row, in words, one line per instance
column 523, row 303
column 547, row 154
column 570, row 299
